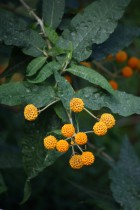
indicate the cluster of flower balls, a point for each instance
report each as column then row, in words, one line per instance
column 72, row 138
column 130, row 64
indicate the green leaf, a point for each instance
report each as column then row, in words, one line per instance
column 65, row 91
column 94, row 25
column 119, row 39
column 35, row 157
column 35, row 44
column 91, row 76
column 121, row 103
column 125, row 177
column 52, row 12
column 35, row 65
column 61, row 112
column 27, row 192
column 3, row 187
column 51, row 34
column 55, row 51
column 15, row 31
column 24, row 93
column 46, row 72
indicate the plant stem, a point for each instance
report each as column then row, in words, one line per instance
column 40, row 22
column 73, row 152
column 41, row 110
column 88, row 132
column 91, row 114
column 69, row 116
column 101, row 67
column 77, row 123
column 79, row 148
column 104, row 154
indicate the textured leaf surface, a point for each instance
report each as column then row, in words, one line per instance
column 125, row 178
column 15, row 31
column 61, row 112
column 91, row 76
column 51, row 34
column 121, row 103
column 35, row 44
column 35, row 157
column 35, row 65
column 119, row 39
column 46, row 72
column 23, row 93
column 52, row 12
column 94, row 25
column 65, row 91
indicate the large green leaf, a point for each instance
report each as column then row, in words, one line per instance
column 65, row 91
column 121, row 103
column 91, row 76
column 51, row 34
column 23, row 93
column 35, row 65
column 94, row 25
column 45, row 72
column 52, row 12
column 35, row 157
column 61, row 112
column 36, row 44
column 125, row 177
column 119, row 39
column 15, row 31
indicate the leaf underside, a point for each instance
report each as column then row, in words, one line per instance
column 121, row 103
column 125, row 178
column 93, row 26
column 26, row 93
column 122, row 37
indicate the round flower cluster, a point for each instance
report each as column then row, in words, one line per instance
column 68, row 130
column 30, row 112
column 77, row 161
column 113, row 84
column 76, row 105
column 106, row 122
column 73, row 139
column 85, row 159
column 50, row 143
column 127, row 65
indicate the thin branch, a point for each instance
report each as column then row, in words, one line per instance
column 79, row 148
column 88, row 132
column 41, row 110
column 101, row 67
column 40, row 22
column 91, row 114
column 70, row 118
column 104, row 154
column 73, row 152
